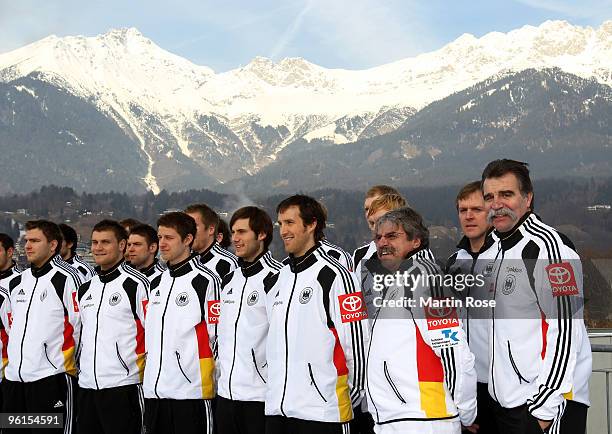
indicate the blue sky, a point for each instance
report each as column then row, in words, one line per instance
column 352, row 34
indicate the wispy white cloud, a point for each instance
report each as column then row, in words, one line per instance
column 585, row 9
column 290, row 32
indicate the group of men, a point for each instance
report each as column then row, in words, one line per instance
column 208, row 341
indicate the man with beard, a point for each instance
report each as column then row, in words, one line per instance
column 316, row 338
column 420, row 371
column 45, row 328
column 471, row 259
column 540, row 353
column 243, row 326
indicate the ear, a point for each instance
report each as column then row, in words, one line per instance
column 311, row 227
column 211, row 230
column 529, row 199
column 188, row 239
column 122, row 245
column 417, row 243
column 153, row 247
column 54, row 245
column 261, row 236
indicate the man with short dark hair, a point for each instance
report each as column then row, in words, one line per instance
column 315, row 344
column 212, row 256
column 243, row 326
column 142, row 247
column 68, row 253
column 181, row 341
column 437, row 392
column 112, row 305
column 45, row 328
column 473, row 256
column 8, row 267
column 540, row 360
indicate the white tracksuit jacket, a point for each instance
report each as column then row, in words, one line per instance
column 243, row 328
column 539, row 349
column 315, row 346
column 181, row 335
column 112, row 306
column 419, row 366
column 46, row 324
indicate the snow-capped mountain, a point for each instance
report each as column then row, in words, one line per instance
column 185, row 120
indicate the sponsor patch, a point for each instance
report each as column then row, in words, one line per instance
column 352, row 307
column 445, row 338
column 441, row 317
column 214, row 309
column 562, row 279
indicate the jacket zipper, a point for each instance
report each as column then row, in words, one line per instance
column 235, row 338
column 95, row 370
column 287, row 344
column 178, row 360
column 368, row 363
column 125, row 366
column 392, row 384
column 25, row 328
column 255, row 364
column 161, row 339
column 518, row 373
column 47, row 356
column 493, row 318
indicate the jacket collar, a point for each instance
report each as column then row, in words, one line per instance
column 207, row 254
column 43, row 269
column 464, row 244
column 305, row 261
column 511, row 238
column 111, row 274
column 250, row 269
column 9, row 271
column 148, row 271
column 183, row 267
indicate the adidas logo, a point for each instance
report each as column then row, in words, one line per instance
column 58, row 404
column 88, row 297
column 157, row 293
column 21, row 292
column 229, row 292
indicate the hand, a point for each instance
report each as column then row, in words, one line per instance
column 544, row 424
column 472, row 428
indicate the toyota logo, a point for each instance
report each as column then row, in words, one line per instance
column 215, row 308
column 559, row 275
column 439, row 312
column 352, row 303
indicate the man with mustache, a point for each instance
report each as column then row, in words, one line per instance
column 540, row 357
column 473, row 256
column 420, row 371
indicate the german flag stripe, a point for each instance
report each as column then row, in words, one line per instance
column 68, row 348
column 207, row 363
column 345, row 409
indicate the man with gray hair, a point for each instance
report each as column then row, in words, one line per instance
column 411, row 334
